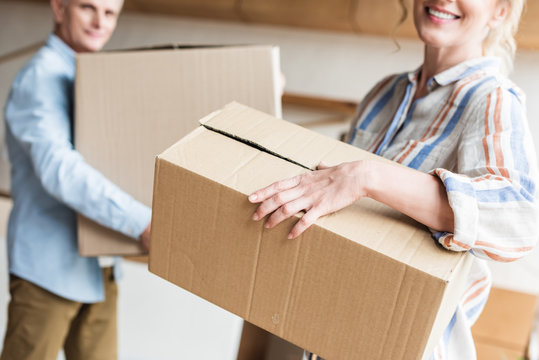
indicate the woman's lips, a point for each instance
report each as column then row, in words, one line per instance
column 438, row 15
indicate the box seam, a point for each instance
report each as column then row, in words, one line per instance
column 254, row 145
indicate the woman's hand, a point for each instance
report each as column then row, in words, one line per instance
column 318, row 193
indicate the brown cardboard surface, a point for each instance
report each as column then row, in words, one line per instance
column 258, row 344
column 5, row 209
column 334, row 15
column 506, row 322
column 143, row 259
column 488, row 351
column 131, row 105
column 280, row 349
column 221, row 9
column 365, row 282
column 254, row 342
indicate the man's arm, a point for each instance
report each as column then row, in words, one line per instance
column 37, row 115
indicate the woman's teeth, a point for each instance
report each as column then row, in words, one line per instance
column 441, row 15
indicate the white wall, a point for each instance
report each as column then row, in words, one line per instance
column 158, row 320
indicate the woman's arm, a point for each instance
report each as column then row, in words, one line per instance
column 486, row 205
column 421, row 196
column 329, row 189
column 493, row 190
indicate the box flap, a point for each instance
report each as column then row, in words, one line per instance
column 281, row 138
column 177, row 46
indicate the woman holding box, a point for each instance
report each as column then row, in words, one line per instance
column 459, row 125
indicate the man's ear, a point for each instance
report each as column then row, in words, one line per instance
column 58, row 9
column 500, row 13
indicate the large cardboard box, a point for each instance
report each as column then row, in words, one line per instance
column 364, row 283
column 130, row 105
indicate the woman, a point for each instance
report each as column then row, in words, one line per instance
column 460, row 127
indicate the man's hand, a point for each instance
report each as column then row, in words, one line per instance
column 145, row 238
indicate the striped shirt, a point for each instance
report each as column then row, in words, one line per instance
column 471, row 131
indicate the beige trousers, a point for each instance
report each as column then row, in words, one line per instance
column 41, row 323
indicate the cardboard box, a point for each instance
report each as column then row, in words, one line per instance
column 491, row 351
column 130, row 105
column 504, row 327
column 258, row 344
column 364, row 283
column 5, row 209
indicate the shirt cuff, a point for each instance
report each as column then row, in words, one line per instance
column 461, row 196
column 139, row 217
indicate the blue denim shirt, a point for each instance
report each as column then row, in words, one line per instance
column 50, row 182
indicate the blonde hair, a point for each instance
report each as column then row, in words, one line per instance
column 500, row 40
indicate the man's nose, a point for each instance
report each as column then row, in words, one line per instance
column 98, row 19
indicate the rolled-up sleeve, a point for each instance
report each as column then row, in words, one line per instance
column 38, row 117
column 493, row 192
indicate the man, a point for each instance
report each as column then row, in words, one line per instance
column 59, row 299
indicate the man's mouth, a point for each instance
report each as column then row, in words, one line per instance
column 94, row 34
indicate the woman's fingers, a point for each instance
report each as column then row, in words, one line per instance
column 288, row 197
column 269, row 191
column 306, row 220
column 288, row 210
column 275, row 202
column 318, row 193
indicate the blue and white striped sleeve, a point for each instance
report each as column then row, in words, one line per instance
column 493, row 192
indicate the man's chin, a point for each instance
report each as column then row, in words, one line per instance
column 92, row 44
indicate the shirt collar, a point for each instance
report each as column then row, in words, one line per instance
column 62, row 48
column 459, row 71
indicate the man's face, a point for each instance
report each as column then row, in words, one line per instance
column 85, row 25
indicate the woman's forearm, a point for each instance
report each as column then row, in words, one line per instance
column 419, row 195
column 331, row 188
